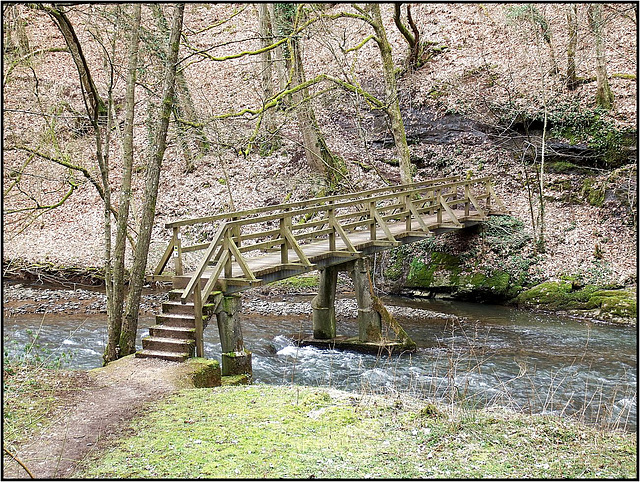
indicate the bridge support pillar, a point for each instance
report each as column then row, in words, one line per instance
column 236, row 360
column 369, row 320
column 324, row 312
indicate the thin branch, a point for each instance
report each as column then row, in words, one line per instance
column 360, row 45
column 27, row 57
column 19, row 462
column 38, row 206
column 374, row 102
column 62, row 162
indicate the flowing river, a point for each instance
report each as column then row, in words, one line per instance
column 480, row 355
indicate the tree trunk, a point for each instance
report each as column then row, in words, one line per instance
column 185, row 114
column 413, row 39
column 572, row 24
column 95, row 105
column 318, row 154
column 278, row 54
column 392, row 101
column 604, row 95
column 130, row 324
column 266, row 76
column 117, row 292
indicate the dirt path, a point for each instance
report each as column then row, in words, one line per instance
column 96, row 414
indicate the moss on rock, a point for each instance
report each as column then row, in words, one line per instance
column 609, row 305
column 616, row 303
column 593, row 193
column 204, row 373
column 442, row 270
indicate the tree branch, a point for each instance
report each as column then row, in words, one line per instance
column 38, row 206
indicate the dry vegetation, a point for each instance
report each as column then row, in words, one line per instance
column 488, row 61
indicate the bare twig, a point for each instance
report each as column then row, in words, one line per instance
column 19, row 462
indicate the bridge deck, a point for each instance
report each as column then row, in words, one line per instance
column 266, row 244
column 267, row 267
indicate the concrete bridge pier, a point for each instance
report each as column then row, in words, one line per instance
column 236, row 360
column 324, row 313
column 369, row 320
column 323, row 304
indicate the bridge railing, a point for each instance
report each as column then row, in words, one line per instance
column 287, row 227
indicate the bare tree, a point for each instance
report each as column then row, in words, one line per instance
column 130, row 323
column 115, row 289
column 95, row 105
column 392, row 102
column 411, row 36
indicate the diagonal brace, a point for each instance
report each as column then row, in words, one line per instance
column 383, row 224
column 296, row 247
column 449, row 211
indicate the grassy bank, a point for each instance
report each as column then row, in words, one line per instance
column 266, row 431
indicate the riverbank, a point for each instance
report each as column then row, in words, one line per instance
column 27, row 297
column 295, row 431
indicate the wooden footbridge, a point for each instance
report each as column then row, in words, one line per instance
column 258, row 246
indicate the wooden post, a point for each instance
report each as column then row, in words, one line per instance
column 323, row 304
column 407, row 219
column 438, row 199
column 466, row 198
column 177, row 251
column 197, row 308
column 236, row 360
column 488, row 188
column 236, row 233
column 369, row 320
column 372, row 217
column 228, row 266
column 284, row 247
column 332, row 234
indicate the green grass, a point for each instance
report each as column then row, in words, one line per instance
column 266, row 431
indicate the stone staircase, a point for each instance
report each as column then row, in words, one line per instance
column 173, row 336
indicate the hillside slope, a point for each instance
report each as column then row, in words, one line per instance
column 465, row 110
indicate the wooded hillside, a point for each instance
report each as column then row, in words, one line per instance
column 287, row 102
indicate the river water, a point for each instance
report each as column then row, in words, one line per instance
column 484, row 355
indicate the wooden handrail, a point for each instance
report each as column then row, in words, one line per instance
column 308, row 202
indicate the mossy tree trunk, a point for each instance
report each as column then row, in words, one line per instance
column 95, row 105
column 188, row 129
column 604, row 95
column 266, row 74
column 392, row 101
column 130, row 323
column 412, row 37
column 317, row 152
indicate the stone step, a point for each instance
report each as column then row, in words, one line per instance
column 163, row 355
column 167, row 331
column 176, row 319
column 171, row 345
